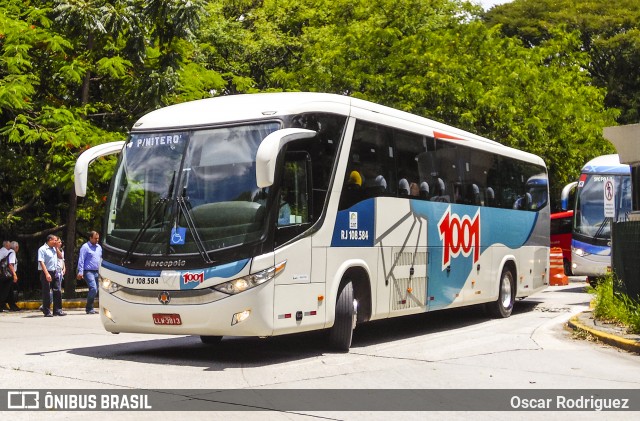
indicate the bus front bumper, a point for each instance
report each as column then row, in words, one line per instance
column 249, row 313
column 590, row 265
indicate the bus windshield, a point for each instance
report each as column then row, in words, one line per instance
column 174, row 195
column 590, row 220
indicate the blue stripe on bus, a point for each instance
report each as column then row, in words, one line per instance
column 592, row 248
column 355, row 227
column 188, row 278
column 132, row 272
column 498, row 227
column 224, row 272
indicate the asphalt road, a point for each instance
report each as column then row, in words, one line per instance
column 453, row 349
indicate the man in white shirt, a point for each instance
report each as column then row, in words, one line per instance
column 7, row 281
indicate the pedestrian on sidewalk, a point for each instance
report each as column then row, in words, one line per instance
column 13, row 290
column 8, row 276
column 48, row 265
column 61, row 266
column 88, row 264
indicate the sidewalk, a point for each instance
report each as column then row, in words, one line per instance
column 74, row 303
column 608, row 333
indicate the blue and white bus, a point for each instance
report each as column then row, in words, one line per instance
column 594, row 214
column 270, row 214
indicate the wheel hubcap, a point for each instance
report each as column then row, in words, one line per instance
column 506, row 292
column 355, row 314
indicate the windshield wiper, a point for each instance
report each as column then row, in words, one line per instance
column 185, row 207
column 148, row 220
column 602, row 227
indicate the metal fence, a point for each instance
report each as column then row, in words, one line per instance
column 625, row 257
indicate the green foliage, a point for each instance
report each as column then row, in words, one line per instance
column 432, row 58
column 616, row 307
column 534, row 75
column 608, row 31
column 77, row 73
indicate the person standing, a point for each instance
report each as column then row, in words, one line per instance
column 48, row 265
column 88, row 265
column 61, row 266
column 6, row 281
column 13, row 290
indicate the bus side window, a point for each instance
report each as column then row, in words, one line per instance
column 439, row 192
column 489, row 197
column 371, row 156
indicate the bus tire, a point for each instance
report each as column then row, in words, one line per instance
column 594, row 281
column 341, row 333
column 567, row 267
column 503, row 306
column 211, row 340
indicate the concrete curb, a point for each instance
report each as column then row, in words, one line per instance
column 79, row 303
column 608, row 338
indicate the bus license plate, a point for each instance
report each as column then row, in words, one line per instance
column 167, row 319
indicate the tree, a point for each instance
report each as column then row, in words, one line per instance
column 74, row 74
column 432, row 58
column 609, row 32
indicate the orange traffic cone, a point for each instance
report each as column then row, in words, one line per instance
column 556, row 268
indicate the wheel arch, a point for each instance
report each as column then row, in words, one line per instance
column 359, row 274
column 361, row 291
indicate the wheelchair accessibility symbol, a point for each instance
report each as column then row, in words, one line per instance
column 178, row 235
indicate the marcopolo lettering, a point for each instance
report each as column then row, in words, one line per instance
column 165, row 263
column 459, row 236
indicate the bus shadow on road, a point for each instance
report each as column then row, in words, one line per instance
column 389, row 330
column 237, row 352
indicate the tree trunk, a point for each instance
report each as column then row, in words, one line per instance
column 69, row 252
column 87, row 77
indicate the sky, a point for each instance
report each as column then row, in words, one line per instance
column 488, row 4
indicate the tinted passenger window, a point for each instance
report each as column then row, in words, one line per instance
column 371, row 168
column 411, row 182
column 322, row 150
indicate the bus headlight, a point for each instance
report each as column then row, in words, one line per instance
column 579, row 252
column 250, row 281
column 109, row 286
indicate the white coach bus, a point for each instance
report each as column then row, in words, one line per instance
column 270, row 214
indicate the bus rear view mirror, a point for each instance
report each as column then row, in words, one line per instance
column 566, row 196
column 81, row 171
column 268, row 153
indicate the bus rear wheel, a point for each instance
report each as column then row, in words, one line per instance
column 594, row 281
column 211, row 340
column 503, row 306
column 341, row 333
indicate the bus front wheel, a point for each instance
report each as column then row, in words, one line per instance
column 341, row 333
column 503, row 306
column 567, row 267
